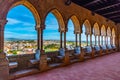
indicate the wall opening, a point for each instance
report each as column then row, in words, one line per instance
column 20, row 33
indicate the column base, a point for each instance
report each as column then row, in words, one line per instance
column 67, row 58
column 4, row 69
column 43, row 61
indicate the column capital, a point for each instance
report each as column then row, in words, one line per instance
column 65, row 30
column 39, row 27
column 75, row 32
column 42, row 26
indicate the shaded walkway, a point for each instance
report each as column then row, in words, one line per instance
column 101, row 68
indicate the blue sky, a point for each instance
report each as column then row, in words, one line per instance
column 21, row 24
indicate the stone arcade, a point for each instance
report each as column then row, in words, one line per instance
column 79, row 15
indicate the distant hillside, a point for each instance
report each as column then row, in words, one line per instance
column 12, row 39
column 16, row 39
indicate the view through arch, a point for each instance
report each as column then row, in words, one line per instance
column 20, row 33
column 83, row 36
column 70, row 36
column 93, row 38
column 51, row 34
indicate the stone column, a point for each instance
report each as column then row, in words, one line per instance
column 4, row 68
column 95, row 40
column 91, row 40
column 87, row 39
column 116, row 38
column 41, row 38
column 43, row 57
column 66, row 59
column 38, row 38
column 82, row 52
column 61, row 40
column 80, row 39
column 111, row 40
column 99, row 40
column 65, row 40
column 76, row 40
column 102, row 39
column 105, row 40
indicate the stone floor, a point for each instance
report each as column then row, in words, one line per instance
column 101, row 68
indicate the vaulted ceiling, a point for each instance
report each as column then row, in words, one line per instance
column 107, row 8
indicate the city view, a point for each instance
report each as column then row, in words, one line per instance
column 21, row 36
column 15, row 47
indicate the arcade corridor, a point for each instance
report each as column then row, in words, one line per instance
column 88, row 70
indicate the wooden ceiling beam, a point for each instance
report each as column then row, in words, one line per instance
column 116, row 18
column 110, row 6
column 111, row 13
column 112, row 17
column 92, row 2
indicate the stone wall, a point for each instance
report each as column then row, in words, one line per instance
column 22, row 60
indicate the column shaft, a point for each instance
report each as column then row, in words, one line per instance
column 38, row 39
column 76, row 40
column 41, row 39
column 64, row 40
column 61, row 40
column 95, row 40
column 87, row 39
column 99, row 40
column 80, row 39
column 102, row 39
column 90, row 39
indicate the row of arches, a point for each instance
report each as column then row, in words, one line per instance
column 62, row 23
column 84, row 34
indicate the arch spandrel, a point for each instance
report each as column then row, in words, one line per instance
column 76, row 24
column 31, row 8
column 108, row 31
column 96, row 29
column 87, row 26
column 59, row 19
column 103, row 30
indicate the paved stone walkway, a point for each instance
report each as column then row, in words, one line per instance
column 101, row 68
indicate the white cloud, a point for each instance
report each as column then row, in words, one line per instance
column 27, row 24
column 12, row 21
column 28, row 16
column 9, row 34
column 52, row 27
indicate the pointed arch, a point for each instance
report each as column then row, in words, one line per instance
column 51, row 33
column 96, row 29
column 31, row 8
column 108, row 31
column 76, row 24
column 103, row 30
column 59, row 18
column 87, row 27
